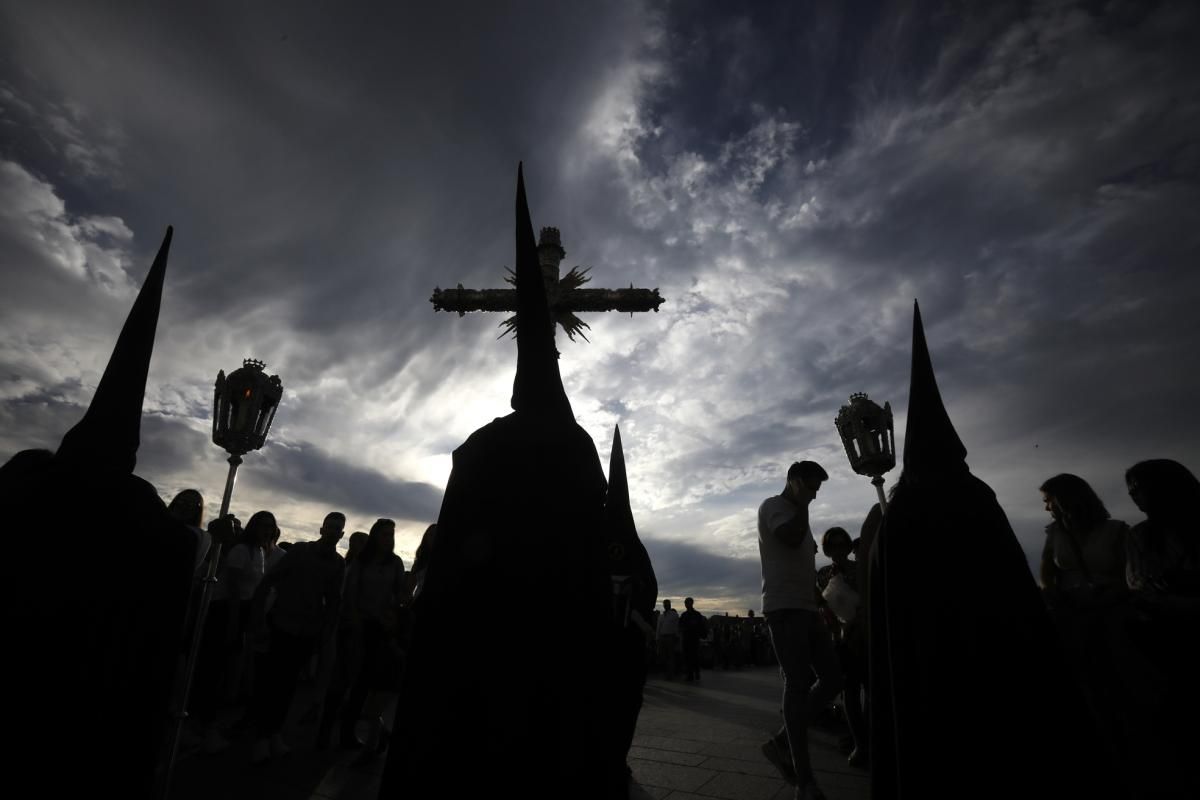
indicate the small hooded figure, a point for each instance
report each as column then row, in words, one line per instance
column 95, row 631
column 634, row 594
column 970, row 695
column 508, row 672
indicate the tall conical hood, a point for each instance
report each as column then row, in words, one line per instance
column 618, row 516
column 538, row 386
column 108, row 435
column 931, row 445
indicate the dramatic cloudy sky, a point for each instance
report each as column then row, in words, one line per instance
column 790, row 175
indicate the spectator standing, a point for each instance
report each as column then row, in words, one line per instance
column 308, row 585
column 667, row 635
column 692, row 628
column 837, row 587
column 799, row 635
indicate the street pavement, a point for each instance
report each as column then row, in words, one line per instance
column 698, row 740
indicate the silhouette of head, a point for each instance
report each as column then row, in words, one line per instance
column 666, row 605
column 688, row 603
column 1072, row 503
column 1163, row 489
column 358, row 540
column 188, row 507
column 260, row 529
column 836, row 543
column 333, row 527
column 381, row 542
column 809, row 473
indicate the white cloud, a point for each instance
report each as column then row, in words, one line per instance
column 33, row 214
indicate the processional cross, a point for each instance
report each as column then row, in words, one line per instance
column 563, row 293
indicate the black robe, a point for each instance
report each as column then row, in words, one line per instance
column 507, row 677
column 970, row 695
column 94, row 609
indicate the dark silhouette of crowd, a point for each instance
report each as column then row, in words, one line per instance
column 286, row 614
column 958, row 672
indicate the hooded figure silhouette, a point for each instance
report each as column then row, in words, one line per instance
column 94, row 636
column 635, row 592
column 508, row 668
column 969, row 693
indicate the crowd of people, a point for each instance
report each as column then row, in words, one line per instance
column 273, row 612
column 1125, row 602
column 693, row 641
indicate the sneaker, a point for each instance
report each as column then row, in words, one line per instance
column 261, row 752
column 214, row 742
column 278, row 747
column 781, row 760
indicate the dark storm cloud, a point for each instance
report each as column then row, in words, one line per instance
column 319, row 154
column 1028, row 174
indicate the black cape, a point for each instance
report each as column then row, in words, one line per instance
column 96, row 594
column 970, row 695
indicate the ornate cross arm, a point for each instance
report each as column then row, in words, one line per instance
column 464, row 300
column 630, row 300
column 563, row 294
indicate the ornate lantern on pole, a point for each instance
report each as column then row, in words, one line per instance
column 869, row 437
column 244, row 406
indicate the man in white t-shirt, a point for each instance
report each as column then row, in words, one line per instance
column 801, row 641
column 668, row 638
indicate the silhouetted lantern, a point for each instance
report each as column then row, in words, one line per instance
column 868, row 434
column 244, row 406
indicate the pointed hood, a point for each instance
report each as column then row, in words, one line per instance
column 538, row 385
column 931, row 445
column 618, row 516
column 108, row 435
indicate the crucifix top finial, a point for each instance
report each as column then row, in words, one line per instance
column 550, row 255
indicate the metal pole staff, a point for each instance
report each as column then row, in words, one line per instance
column 210, row 579
column 877, row 482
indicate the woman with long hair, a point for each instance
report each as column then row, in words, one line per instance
column 1085, row 549
column 1163, row 573
column 1083, row 581
column 1164, row 550
column 241, row 570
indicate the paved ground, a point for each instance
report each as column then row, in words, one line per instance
column 702, row 740
column 695, row 740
